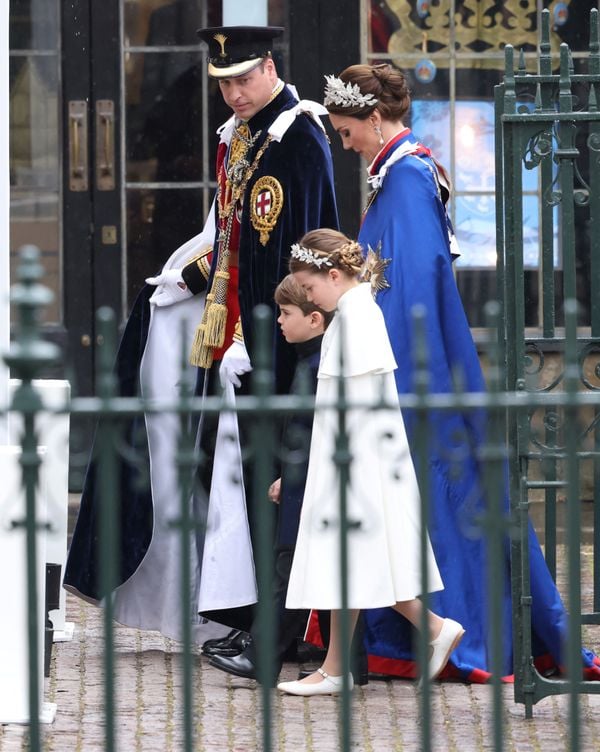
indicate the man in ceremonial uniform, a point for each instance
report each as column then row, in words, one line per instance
column 275, row 182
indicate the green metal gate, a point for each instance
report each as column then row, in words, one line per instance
column 549, row 122
column 550, row 426
column 29, row 355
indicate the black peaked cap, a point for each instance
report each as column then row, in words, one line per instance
column 235, row 50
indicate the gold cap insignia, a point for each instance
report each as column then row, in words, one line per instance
column 221, row 39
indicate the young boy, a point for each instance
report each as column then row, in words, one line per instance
column 302, row 324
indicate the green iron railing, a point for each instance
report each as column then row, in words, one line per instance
column 538, row 127
column 28, row 355
column 549, row 121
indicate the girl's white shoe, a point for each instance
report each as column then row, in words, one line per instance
column 441, row 648
column 331, row 685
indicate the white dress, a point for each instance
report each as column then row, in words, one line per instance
column 382, row 496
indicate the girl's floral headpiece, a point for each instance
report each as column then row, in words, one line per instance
column 308, row 256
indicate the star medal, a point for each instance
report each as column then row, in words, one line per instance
column 373, row 269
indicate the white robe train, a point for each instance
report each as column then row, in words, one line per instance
column 151, row 598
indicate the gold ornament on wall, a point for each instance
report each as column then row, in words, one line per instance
column 480, row 26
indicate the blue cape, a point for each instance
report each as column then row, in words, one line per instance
column 408, row 218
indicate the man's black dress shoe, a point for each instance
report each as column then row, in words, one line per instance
column 359, row 679
column 238, row 665
column 231, row 644
column 220, row 640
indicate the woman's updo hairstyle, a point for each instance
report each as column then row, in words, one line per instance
column 321, row 250
column 386, row 83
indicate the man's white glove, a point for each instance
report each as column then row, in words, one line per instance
column 235, row 362
column 170, row 288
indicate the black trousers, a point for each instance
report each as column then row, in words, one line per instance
column 291, row 623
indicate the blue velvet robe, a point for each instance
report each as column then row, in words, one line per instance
column 301, row 162
column 408, row 218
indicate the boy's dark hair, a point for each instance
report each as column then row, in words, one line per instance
column 289, row 292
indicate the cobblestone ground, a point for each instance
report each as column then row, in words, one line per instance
column 227, row 711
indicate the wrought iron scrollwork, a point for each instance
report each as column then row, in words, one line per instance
column 581, row 195
column 593, row 142
column 546, row 433
column 584, row 354
column 534, row 364
column 538, row 148
column 551, row 428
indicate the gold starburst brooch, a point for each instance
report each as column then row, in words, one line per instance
column 373, row 270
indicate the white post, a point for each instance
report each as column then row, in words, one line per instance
column 244, row 13
column 4, row 217
column 14, row 653
column 53, row 434
column 14, row 648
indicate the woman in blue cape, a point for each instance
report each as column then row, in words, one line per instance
column 406, row 226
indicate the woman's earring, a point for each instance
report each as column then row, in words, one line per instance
column 378, row 132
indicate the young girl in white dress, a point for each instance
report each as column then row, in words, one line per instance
column 383, row 505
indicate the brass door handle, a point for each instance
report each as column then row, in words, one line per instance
column 105, row 145
column 78, row 146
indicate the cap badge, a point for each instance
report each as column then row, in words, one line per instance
column 221, row 39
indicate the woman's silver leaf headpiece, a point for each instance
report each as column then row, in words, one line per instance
column 346, row 95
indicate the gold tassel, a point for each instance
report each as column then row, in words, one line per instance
column 198, row 352
column 214, row 334
column 206, row 357
column 210, row 333
column 200, row 355
column 216, row 312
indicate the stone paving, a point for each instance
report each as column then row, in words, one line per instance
column 227, row 710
